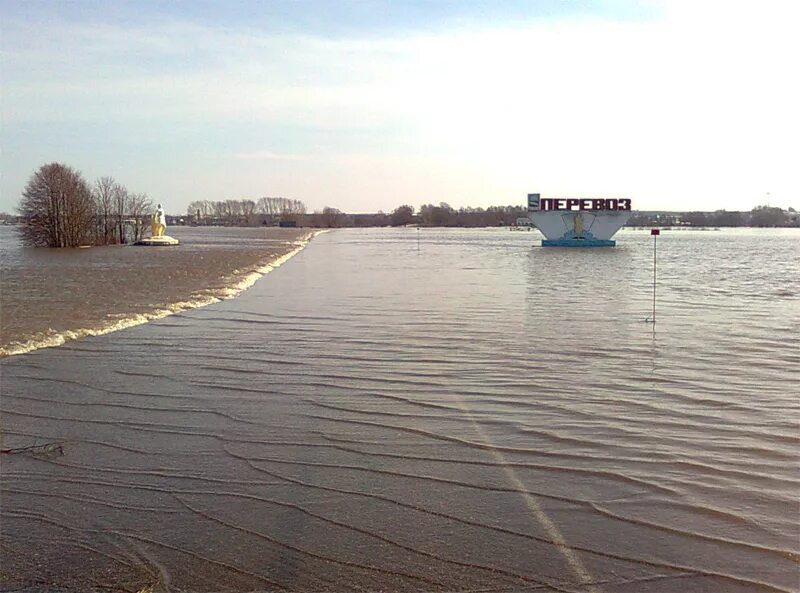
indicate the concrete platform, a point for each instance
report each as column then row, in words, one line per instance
column 163, row 241
column 577, row 242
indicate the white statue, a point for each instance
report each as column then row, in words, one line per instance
column 158, row 222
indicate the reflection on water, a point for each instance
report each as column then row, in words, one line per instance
column 478, row 415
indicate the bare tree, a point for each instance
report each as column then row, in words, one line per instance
column 283, row 208
column 233, row 211
column 56, row 208
column 120, row 205
column 199, row 210
column 331, row 217
column 139, row 207
column 218, row 210
column 193, row 209
column 248, row 211
column 103, row 194
column 267, row 206
column 296, row 207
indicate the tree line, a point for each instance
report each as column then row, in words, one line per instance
column 760, row 216
column 274, row 210
column 59, row 208
column 428, row 215
column 444, row 215
column 245, row 212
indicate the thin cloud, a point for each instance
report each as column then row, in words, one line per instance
column 268, row 155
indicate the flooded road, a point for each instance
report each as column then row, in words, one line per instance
column 475, row 414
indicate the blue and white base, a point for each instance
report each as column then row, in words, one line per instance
column 578, row 242
column 576, row 228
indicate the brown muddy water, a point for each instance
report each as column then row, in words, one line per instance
column 50, row 296
column 475, row 414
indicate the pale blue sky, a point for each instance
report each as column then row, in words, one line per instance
column 364, row 105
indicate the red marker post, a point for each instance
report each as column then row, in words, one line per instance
column 655, row 233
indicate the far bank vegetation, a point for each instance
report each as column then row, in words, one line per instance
column 272, row 211
column 266, row 210
column 760, row 216
column 276, row 210
column 59, row 208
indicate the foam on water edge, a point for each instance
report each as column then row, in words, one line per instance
column 51, row 338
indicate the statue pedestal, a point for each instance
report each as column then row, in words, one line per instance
column 162, row 241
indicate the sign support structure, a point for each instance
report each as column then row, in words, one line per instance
column 577, row 222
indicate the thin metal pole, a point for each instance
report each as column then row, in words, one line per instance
column 655, row 240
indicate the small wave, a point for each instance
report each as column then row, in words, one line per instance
column 51, row 338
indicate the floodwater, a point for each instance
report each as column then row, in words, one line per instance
column 50, row 296
column 453, row 410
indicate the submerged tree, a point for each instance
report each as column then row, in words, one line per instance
column 57, row 209
column 103, row 195
column 139, row 209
